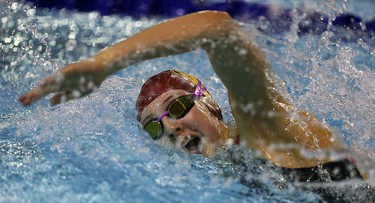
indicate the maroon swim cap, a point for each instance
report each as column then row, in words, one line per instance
column 172, row 80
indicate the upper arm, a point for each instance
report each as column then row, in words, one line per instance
column 243, row 69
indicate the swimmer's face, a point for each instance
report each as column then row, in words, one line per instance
column 198, row 131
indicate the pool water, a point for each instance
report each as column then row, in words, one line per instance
column 93, row 149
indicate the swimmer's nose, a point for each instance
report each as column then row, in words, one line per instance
column 172, row 128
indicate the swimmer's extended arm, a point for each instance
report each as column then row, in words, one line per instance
column 210, row 30
column 170, row 37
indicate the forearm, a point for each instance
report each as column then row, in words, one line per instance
column 171, row 37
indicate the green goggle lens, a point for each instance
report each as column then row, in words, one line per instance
column 154, row 128
column 181, row 106
column 176, row 109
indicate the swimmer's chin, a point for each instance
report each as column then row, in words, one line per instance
column 209, row 151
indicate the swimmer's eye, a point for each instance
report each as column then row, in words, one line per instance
column 154, row 129
column 181, row 106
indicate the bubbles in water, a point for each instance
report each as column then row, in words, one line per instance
column 30, row 12
column 93, row 148
column 4, row 20
column 8, row 40
column 70, row 45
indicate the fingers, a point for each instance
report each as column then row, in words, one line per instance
column 31, row 96
column 70, row 82
column 48, row 85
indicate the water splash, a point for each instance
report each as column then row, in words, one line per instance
column 93, row 149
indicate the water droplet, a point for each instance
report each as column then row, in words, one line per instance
column 138, row 24
column 14, row 6
column 8, row 40
column 17, row 40
column 242, row 52
column 76, row 94
column 52, row 43
column 70, row 45
column 30, row 12
column 4, row 20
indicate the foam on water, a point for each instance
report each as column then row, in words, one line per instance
column 93, row 149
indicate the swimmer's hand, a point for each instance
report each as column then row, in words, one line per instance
column 73, row 81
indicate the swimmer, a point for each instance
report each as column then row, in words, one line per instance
column 177, row 106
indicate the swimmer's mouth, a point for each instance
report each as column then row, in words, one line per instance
column 194, row 145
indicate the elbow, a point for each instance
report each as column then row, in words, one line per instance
column 219, row 15
column 222, row 22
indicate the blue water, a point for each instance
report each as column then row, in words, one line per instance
column 93, row 149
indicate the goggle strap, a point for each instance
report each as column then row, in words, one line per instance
column 199, row 91
column 162, row 116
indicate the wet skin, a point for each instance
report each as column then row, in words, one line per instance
column 198, row 132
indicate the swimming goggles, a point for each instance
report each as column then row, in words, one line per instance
column 177, row 109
